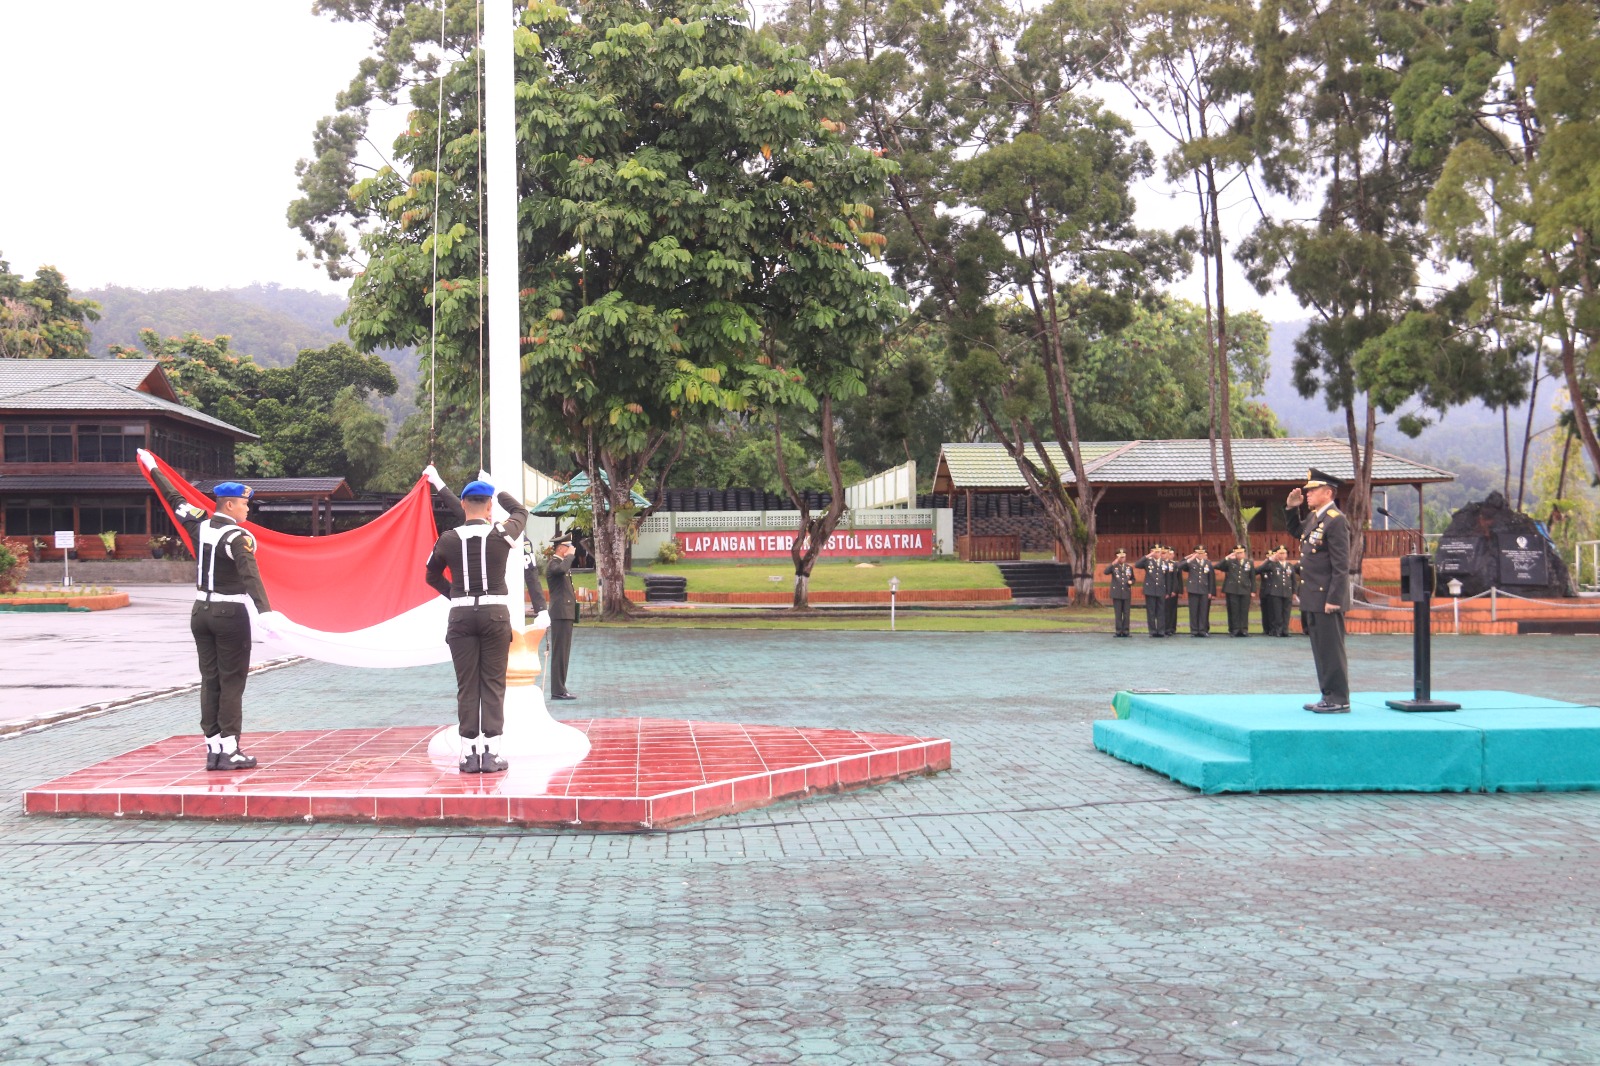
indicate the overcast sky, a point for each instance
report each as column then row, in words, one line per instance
column 153, row 144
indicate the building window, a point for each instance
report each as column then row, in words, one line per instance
column 120, row 514
column 109, row 444
column 37, row 517
column 38, row 444
column 194, row 455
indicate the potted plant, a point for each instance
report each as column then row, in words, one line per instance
column 38, row 548
column 158, row 545
column 109, row 539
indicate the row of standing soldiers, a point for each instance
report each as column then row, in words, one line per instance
column 1166, row 579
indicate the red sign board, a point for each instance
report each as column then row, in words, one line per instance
column 745, row 544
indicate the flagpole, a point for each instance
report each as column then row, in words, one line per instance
column 503, row 283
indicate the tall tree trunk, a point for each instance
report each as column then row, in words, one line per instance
column 1358, row 505
column 610, row 539
column 814, row 531
column 1228, row 499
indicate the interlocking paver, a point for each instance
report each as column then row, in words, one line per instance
column 1039, row 903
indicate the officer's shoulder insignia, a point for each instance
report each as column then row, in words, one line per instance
column 1333, row 512
column 189, row 512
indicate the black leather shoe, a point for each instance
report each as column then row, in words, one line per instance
column 213, row 758
column 236, row 760
column 469, row 762
column 563, row 696
column 490, row 763
column 1325, row 707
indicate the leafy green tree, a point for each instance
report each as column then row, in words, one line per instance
column 1188, row 64
column 1515, row 202
column 1336, row 125
column 39, row 319
column 313, row 417
column 687, row 204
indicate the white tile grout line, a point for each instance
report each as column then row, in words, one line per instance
column 12, row 730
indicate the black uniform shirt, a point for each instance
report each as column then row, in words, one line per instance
column 487, row 575
column 1240, row 579
column 1121, row 580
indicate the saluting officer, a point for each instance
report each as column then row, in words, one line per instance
column 1155, row 591
column 1201, row 584
column 1324, row 534
column 479, row 630
column 1238, row 583
column 226, row 582
column 1277, row 589
column 563, row 613
column 1121, row 572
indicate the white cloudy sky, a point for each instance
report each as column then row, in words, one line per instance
column 153, row 144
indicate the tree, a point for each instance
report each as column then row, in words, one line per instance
column 1188, row 64
column 686, row 201
column 39, row 319
column 1333, row 89
column 313, row 417
column 1515, row 202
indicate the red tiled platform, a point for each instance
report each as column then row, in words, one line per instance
column 639, row 773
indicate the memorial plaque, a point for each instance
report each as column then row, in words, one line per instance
column 1523, row 560
column 1455, row 555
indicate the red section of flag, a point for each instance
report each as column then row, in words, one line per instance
column 344, row 582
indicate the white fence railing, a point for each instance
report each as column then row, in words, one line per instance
column 1586, row 552
column 687, row 521
column 891, row 488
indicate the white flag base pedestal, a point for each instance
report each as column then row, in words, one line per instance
column 533, row 742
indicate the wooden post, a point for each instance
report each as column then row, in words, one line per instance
column 1422, row 522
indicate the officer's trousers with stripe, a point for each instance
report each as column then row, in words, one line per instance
column 480, row 646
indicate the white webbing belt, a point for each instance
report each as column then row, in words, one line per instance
column 220, row 597
column 503, row 600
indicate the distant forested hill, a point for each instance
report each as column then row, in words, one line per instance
column 270, row 322
column 1468, row 441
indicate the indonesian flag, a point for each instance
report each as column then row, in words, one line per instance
column 355, row 598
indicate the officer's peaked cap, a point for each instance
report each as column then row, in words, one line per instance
column 1316, row 479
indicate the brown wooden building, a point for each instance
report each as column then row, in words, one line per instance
column 1160, row 491
column 69, row 431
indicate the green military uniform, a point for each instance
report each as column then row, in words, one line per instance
column 1121, row 573
column 1201, row 584
column 1277, row 589
column 563, row 616
column 1238, row 584
column 1325, row 581
column 1155, row 594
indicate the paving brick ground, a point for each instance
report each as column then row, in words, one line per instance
column 1041, row 903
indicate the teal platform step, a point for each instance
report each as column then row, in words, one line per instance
column 1498, row 741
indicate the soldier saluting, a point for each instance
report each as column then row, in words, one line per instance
column 1277, row 589
column 227, row 581
column 1121, row 572
column 1324, row 534
column 1238, row 582
column 479, row 630
column 1201, row 584
column 1155, row 591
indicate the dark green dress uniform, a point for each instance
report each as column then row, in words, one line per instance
column 563, row 616
column 1174, row 591
column 227, row 581
column 1325, row 579
column 1121, row 595
column 1201, row 584
column 1238, row 583
column 479, row 630
column 1277, row 589
column 1155, row 595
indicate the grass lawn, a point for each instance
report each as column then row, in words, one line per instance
column 1062, row 620
column 778, row 576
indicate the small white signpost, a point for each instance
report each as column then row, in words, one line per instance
column 66, row 540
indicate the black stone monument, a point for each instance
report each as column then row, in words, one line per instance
column 1488, row 545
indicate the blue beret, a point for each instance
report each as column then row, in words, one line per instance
column 233, row 488
column 477, row 488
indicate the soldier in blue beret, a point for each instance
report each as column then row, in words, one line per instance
column 479, row 631
column 226, row 582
